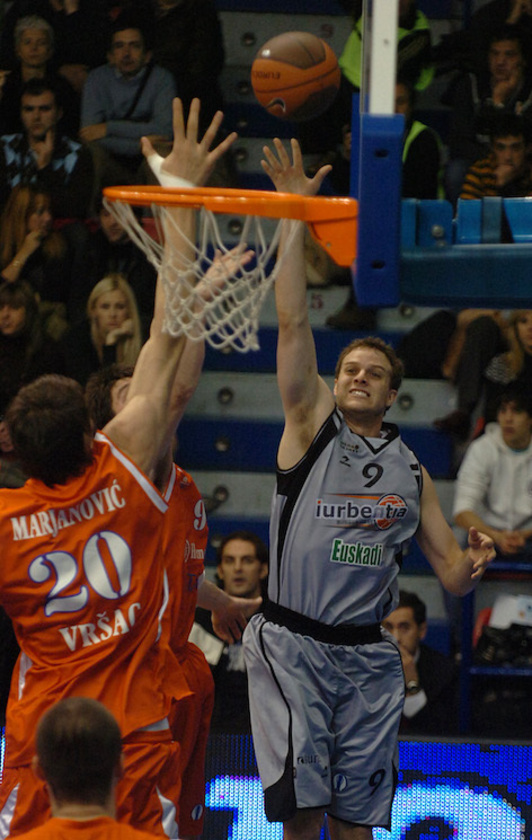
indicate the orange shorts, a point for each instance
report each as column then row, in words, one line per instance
column 145, row 795
column 190, row 720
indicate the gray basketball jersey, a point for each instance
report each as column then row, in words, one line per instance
column 340, row 520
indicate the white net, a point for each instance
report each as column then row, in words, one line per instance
column 230, row 317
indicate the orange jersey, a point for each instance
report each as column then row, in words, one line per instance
column 82, row 580
column 185, row 542
column 101, row 828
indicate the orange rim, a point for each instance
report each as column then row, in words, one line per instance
column 332, row 220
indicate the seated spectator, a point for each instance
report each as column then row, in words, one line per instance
column 25, row 351
column 486, row 368
column 34, row 47
column 79, row 757
column 242, row 569
column 79, row 27
column 491, row 16
column 42, row 156
column 493, row 483
column 127, row 98
column 30, row 249
column 188, row 42
column 512, row 366
column 431, row 678
column 109, row 250
column 111, row 331
column 477, row 100
column 505, row 171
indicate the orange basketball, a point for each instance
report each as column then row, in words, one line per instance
column 295, row 76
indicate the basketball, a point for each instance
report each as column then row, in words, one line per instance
column 295, row 76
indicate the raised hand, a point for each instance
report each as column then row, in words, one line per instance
column 190, row 158
column 289, row 175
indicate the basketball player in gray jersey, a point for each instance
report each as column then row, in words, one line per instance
column 326, row 682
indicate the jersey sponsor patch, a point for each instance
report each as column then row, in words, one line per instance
column 374, row 512
column 356, row 554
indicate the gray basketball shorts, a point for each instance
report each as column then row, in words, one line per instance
column 325, row 720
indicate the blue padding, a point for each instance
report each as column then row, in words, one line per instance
column 434, row 223
column 329, row 344
column 433, row 448
column 496, row 276
column 468, row 222
column 252, row 445
column 519, row 215
column 377, row 262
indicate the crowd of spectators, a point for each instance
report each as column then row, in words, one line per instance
column 81, row 82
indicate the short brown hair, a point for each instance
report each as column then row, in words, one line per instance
column 48, row 422
column 78, row 747
column 375, row 343
column 98, row 392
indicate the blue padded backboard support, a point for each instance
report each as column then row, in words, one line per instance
column 462, row 262
column 379, row 209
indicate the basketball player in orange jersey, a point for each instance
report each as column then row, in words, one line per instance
column 81, row 575
column 186, row 540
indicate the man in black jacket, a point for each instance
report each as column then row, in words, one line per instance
column 431, row 678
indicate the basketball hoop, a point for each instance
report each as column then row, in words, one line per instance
column 231, row 318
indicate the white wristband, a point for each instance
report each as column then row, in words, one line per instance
column 165, row 179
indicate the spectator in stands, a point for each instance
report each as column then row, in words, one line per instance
column 79, row 756
column 493, row 487
column 491, row 16
column 79, row 27
column 242, row 568
column 431, row 678
column 111, row 331
column 505, row 171
column 188, row 42
column 31, row 250
column 34, row 47
column 109, row 250
column 25, row 351
column 477, row 99
column 41, row 155
column 512, row 366
column 127, row 98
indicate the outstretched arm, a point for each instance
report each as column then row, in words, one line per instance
column 229, row 614
column 458, row 571
column 306, row 398
column 147, row 423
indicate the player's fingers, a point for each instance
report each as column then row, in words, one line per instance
column 193, row 120
column 282, row 153
column 178, row 121
column 146, row 147
column 212, row 130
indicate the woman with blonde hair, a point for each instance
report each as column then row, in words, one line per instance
column 111, row 331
